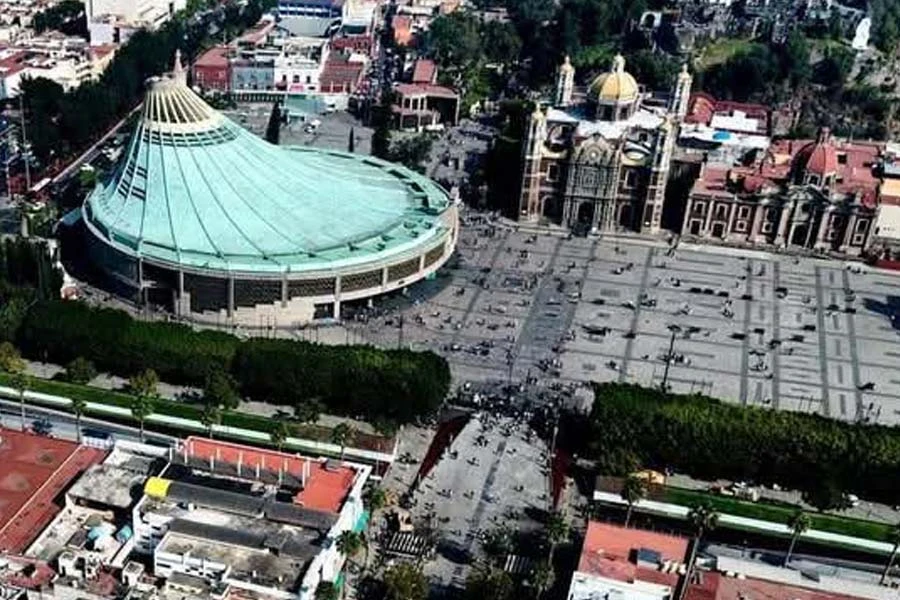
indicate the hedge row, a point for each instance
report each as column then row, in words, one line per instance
column 362, row 381
column 709, row 439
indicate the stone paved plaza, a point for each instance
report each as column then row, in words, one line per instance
column 750, row 327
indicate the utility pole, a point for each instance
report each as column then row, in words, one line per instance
column 25, row 150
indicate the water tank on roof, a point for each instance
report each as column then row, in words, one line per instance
column 721, row 136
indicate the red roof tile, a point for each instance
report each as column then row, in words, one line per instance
column 413, row 89
column 424, row 71
column 718, row 587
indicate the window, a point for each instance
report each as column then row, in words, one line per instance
column 308, row 79
column 699, row 208
column 296, row 79
column 721, row 212
column 767, row 227
column 842, row 158
column 744, row 212
column 630, row 178
column 813, row 180
column 740, row 226
column 552, row 172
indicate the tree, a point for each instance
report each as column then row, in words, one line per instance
column 375, row 498
column 342, row 435
column 79, row 406
column 633, row 491
column 405, row 581
column 280, row 434
column 799, row 523
column 210, row 417
column 826, row 494
column 11, row 363
column 80, row 371
column 273, row 129
column 412, row 152
column 555, row 531
column 704, row 518
column 144, row 383
column 894, row 538
column 326, row 590
column 351, row 143
column 349, row 543
column 220, row 389
column 489, row 583
column 141, row 408
column 501, row 42
column 539, row 578
column 308, row 411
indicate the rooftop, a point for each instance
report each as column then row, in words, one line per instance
column 33, row 472
column 108, row 485
column 629, row 555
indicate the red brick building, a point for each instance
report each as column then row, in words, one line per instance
column 212, row 71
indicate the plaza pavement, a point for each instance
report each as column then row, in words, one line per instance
column 755, row 328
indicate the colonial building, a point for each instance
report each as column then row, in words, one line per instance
column 820, row 194
column 600, row 162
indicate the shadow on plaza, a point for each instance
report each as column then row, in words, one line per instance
column 890, row 308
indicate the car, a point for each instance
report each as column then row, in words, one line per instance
column 42, row 426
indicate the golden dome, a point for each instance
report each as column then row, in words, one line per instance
column 617, row 85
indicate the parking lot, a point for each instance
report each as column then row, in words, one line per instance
column 745, row 326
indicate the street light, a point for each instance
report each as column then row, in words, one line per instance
column 675, row 329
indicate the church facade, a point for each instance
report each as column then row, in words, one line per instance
column 600, row 163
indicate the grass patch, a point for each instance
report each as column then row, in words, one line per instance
column 778, row 513
column 721, row 50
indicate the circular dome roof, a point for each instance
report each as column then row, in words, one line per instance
column 818, row 157
column 195, row 189
column 615, row 86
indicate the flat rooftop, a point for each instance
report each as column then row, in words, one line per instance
column 109, row 485
column 629, row 555
column 34, row 470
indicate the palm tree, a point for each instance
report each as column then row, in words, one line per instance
column 893, row 537
column 633, row 490
column 280, row 434
column 540, row 577
column 211, row 416
column 79, row 405
column 342, row 435
column 555, row 530
column 349, row 543
column 21, row 381
column 799, row 522
column 704, row 518
column 141, row 408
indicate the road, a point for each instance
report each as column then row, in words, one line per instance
column 64, row 423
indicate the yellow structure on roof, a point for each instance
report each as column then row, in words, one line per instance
column 157, row 487
column 617, row 85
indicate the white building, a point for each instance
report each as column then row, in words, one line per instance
column 114, row 21
column 66, row 60
column 255, row 520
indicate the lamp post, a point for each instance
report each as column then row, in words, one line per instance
column 675, row 330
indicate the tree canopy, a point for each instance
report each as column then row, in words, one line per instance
column 708, row 439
